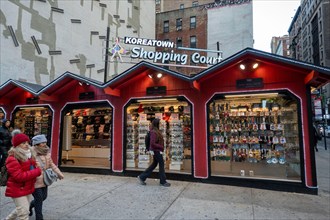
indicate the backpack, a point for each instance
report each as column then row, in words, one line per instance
column 147, row 141
column 3, row 176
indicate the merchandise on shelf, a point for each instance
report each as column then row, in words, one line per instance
column 143, row 157
column 132, row 143
column 176, row 144
column 34, row 121
column 252, row 132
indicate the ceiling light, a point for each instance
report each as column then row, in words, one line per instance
column 157, row 100
column 255, row 66
column 150, row 76
column 80, row 83
column 159, row 75
column 249, row 95
column 242, row 66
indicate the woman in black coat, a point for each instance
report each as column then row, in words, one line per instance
column 5, row 141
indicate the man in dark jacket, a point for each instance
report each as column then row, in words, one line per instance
column 5, row 141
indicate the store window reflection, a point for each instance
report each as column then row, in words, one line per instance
column 86, row 137
column 254, row 135
column 175, row 124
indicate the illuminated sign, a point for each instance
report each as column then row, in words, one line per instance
column 162, row 57
column 148, row 42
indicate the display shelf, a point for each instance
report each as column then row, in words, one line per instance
column 251, row 134
column 132, row 143
column 143, row 158
column 176, row 143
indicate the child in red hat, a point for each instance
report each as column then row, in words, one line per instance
column 22, row 174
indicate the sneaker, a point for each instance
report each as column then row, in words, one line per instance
column 166, row 184
column 141, row 181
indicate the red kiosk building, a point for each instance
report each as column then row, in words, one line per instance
column 229, row 124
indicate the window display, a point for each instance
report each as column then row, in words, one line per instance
column 175, row 124
column 90, row 137
column 254, row 135
column 33, row 121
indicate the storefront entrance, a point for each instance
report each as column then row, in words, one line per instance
column 255, row 136
column 87, row 135
column 176, row 123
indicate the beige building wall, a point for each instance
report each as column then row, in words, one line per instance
column 40, row 40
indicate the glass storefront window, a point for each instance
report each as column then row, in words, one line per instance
column 33, row 121
column 175, row 124
column 86, row 138
column 254, row 135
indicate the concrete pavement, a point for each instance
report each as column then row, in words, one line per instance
column 86, row 196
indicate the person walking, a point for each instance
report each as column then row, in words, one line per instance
column 41, row 149
column 156, row 149
column 316, row 138
column 22, row 174
column 5, row 141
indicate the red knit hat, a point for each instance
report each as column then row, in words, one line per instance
column 19, row 138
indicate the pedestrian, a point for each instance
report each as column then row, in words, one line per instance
column 45, row 161
column 5, row 141
column 317, row 136
column 22, row 174
column 157, row 150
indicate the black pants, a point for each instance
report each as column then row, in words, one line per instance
column 157, row 159
column 40, row 195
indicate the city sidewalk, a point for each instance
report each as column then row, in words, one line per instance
column 86, row 196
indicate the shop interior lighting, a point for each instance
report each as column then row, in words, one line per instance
column 80, row 83
column 252, row 95
column 157, row 100
column 32, row 107
column 150, row 76
column 159, row 75
column 242, row 66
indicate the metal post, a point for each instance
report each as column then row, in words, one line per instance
column 218, row 48
column 106, row 55
column 323, row 103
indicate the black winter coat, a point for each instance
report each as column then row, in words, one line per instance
column 5, row 137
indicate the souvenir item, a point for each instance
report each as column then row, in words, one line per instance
column 263, row 124
column 281, row 160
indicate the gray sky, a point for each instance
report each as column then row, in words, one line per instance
column 271, row 18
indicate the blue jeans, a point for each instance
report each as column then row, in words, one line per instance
column 157, row 159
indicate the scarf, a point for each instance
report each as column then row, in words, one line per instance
column 41, row 150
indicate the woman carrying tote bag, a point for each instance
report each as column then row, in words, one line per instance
column 45, row 161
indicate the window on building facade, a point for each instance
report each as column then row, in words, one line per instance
column 192, row 22
column 179, row 24
column 179, row 42
column 194, row 3
column 193, row 42
column 157, row 2
column 181, row 6
column 166, row 26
